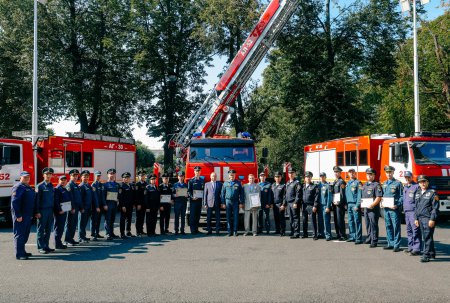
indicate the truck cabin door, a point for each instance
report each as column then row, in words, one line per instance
column 11, row 164
column 399, row 158
column 72, row 156
column 351, row 158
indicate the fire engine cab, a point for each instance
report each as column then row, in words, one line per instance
column 424, row 153
column 78, row 150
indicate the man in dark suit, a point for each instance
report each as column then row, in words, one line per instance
column 212, row 202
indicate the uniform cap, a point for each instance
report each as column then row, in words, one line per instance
column 48, row 170
column 337, row 169
column 277, row 174
column 24, row 174
column 152, row 177
column 85, row 172
column 408, row 174
column 62, row 177
column 97, row 173
column 308, row 174
column 232, row 171
column 111, row 171
column 126, row 175
column 351, row 170
column 262, row 174
column 292, row 170
column 197, row 168
column 181, row 173
column 389, row 168
column 141, row 173
column 74, row 172
column 422, row 178
column 165, row 175
column 370, row 170
column 322, row 174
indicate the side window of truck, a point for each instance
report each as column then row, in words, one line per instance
column 10, row 154
column 73, row 159
column 402, row 155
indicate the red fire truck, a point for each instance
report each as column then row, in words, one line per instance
column 79, row 150
column 425, row 153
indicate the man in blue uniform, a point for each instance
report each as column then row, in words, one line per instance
column 279, row 205
column 99, row 192
column 62, row 196
column 426, row 213
column 409, row 206
column 112, row 198
column 339, row 204
column 326, row 197
column 266, row 204
column 310, row 206
column 45, row 202
column 89, row 205
column 180, row 198
column 126, row 199
column 195, row 190
column 72, row 215
column 292, row 199
column 22, row 209
column 392, row 190
column 371, row 190
column 232, row 197
column 166, row 200
column 152, row 204
column 139, row 191
column 212, row 203
column 353, row 197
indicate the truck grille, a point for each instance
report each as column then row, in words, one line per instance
column 439, row 183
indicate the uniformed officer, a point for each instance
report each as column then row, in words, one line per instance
column 326, row 197
column 45, row 202
column 180, row 203
column 22, row 210
column 140, row 203
column 195, row 190
column 152, row 204
column 232, row 197
column 292, row 199
column 99, row 192
column 266, row 204
column 392, row 188
column 353, row 197
column 112, row 198
column 89, row 205
column 166, row 199
column 310, row 206
column 372, row 190
column 126, row 200
column 339, row 204
column 279, row 205
column 426, row 213
column 72, row 215
column 409, row 206
column 62, row 195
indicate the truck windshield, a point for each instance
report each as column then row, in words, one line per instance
column 221, row 153
column 431, row 152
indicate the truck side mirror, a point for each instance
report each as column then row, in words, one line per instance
column 265, row 152
column 398, row 152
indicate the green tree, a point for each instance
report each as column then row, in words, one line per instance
column 170, row 63
column 145, row 157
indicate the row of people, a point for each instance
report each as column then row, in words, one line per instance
column 71, row 205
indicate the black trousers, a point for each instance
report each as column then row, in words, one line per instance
column 428, row 240
column 308, row 212
column 140, row 218
column 151, row 219
column 294, row 218
column 280, row 221
column 339, row 220
column 125, row 219
column 164, row 217
column 371, row 217
column 264, row 219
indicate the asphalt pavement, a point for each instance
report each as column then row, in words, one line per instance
column 204, row 268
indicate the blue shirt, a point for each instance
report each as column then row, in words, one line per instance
column 232, row 192
column 75, row 194
column 22, row 201
column 266, row 193
column 326, row 194
column 409, row 191
column 45, row 195
column 99, row 191
column 393, row 188
column 353, row 192
column 195, row 184
column 179, row 199
column 61, row 196
column 88, row 197
column 113, row 187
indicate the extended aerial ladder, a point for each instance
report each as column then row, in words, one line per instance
column 208, row 119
